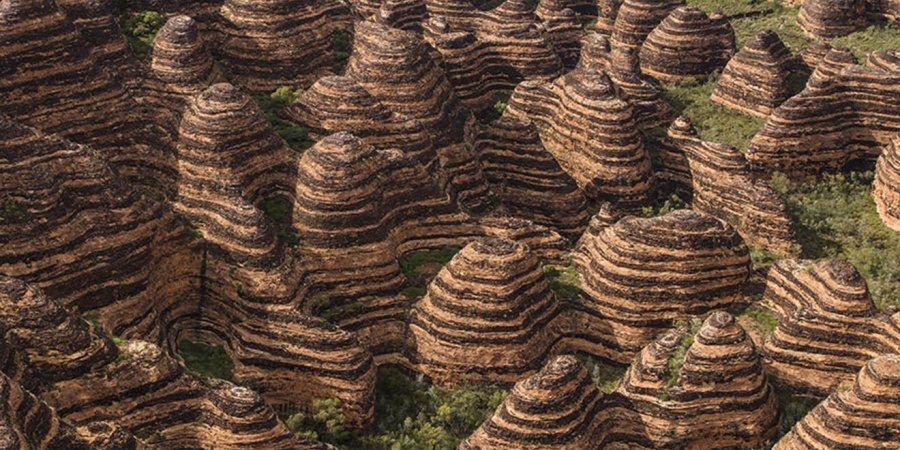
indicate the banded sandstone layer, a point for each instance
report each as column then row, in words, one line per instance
column 886, row 189
column 687, row 45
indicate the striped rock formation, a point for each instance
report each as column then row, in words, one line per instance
column 279, row 42
column 485, row 316
column 394, row 67
column 494, row 50
column 607, row 10
column 755, row 79
column 63, row 89
column 724, row 187
column 526, row 177
column 623, row 68
column 828, row 326
column 845, row 114
column 827, row 19
column 635, row 19
column 180, row 68
column 562, row 27
column 886, row 189
column 96, row 22
column 719, row 397
column 641, row 274
column 591, row 132
column 402, row 14
column 75, row 230
column 554, row 409
column 687, row 45
column 867, row 415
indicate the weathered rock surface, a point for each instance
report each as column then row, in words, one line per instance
column 591, row 132
column 724, row 187
column 845, row 114
column 826, row 19
column 485, row 316
column 828, row 326
column 562, row 27
column 641, row 274
column 755, row 79
column 635, row 19
column 886, row 189
column 687, row 45
column 866, row 415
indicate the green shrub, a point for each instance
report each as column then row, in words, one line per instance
column 140, row 29
column 277, row 209
column 341, row 47
column 565, row 281
column 766, row 321
column 210, row 361
column 412, row 264
column 294, row 136
column 606, row 376
column 881, row 35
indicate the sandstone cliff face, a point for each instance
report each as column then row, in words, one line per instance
column 719, row 399
column 635, row 19
column 866, row 415
column 755, row 79
column 687, row 45
column 402, row 14
column 279, row 43
column 591, row 132
column 828, row 326
column 641, row 274
column 832, row 123
column 826, row 19
column 723, row 186
column 556, row 408
column 887, row 184
column 485, row 316
column 76, row 98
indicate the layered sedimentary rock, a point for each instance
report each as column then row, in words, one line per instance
column 624, row 69
column 866, row 415
column 635, row 19
column 78, row 232
column 724, row 186
column 828, row 326
column 180, row 68
column 826, row 19
column 96, row 22
column 562, row 27
column 687, row 45
column 51, row 80
column 279, row 43
column 591, row 132
column 886, row 189
column 641, row 274
column 394, row 67
column 719, row 398
column 485, row 316
column 845, row 114
column 528, row 180
column 755, row 79
column 556, row 408
column 402, row 14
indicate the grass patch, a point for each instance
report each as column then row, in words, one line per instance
column 766, row 321
column 606, row 376
column 792, row 408
column 713, row 122
column 294, row 136
column 208, row 361
column 278, row 211
column 691, row 328
column 663, row 206
column 835, row 217
column 761, row 257
column 140, row 29
column 420, row 267
column 565, row 281
column 340, row 47
column 414, row 292
column 340, row 310
column 881, row 35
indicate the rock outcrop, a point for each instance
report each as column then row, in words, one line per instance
column 181, row 67
column 562, row 27
column 717, row 397
column 827, row 19
column 485, row 316
column 886, row 189
column 865, row 415
column 635, row 19
column 641, row 274
column 556, row 408
column 528, row 180
column 844, row 115
column 828, row 326
column 271, row 44
column 687, row 45
column 755, row 79
column 591, row 132
column 402, row 14
column 724, row 187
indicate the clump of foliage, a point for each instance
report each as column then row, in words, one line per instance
column 11, row 212
column 420, row 267
column 565, row 281
column 413, row 292
column 340, row 310
column 882, row 34
column 278, row 211
column 340, row 46
column 410, row 415
column 140, row 29
column 791, row 407
column 677, row 359
column 293, row 135
column 606, row 376
column 209, row 361
column 761, row 257
column 664, row 206
column 836, row 218
column 764, row 319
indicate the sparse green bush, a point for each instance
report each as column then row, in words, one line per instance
column 412, row 263
column 766, row 321
column 606, row 376
column 140, row 29
column 565, row 281
column 340, row 45
column 211, row 361
column 272, row 105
